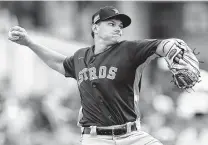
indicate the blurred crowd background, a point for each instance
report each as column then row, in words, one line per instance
column 38, row 106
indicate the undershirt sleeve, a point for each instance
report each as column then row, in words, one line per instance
column 69, row 67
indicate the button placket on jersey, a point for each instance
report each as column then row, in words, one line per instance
column 91, row 64
column 96, row 94
column 94, row 85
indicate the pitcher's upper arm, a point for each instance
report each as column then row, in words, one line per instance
column 57, row 64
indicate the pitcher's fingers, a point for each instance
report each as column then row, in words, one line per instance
column 176, row 59
column 17, row 28
column 182, row 62
column 16, row 33
column 179, row 55
column 14, row 38
column 181, row 52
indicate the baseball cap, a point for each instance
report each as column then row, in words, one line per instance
column 109, row 12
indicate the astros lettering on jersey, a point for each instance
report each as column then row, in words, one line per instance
column 91, row 73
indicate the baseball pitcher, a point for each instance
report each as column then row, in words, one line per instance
column 108, row 75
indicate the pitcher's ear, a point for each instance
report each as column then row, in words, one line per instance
column 95, row 28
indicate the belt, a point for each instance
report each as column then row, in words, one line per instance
column 116, row 131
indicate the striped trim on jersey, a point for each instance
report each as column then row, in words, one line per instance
column 137, row 80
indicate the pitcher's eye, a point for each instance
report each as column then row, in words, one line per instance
column 111, row 24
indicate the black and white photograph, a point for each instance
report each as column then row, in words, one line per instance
column 103, row 73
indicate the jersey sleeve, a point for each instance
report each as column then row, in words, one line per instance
column 143, row 49
column 69, row 67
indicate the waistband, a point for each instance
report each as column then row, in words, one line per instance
column 111, row 130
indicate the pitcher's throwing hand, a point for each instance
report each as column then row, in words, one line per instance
column 18, row 35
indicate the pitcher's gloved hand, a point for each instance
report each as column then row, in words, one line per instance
column 183, row 64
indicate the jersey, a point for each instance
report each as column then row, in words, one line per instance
column 109, row 81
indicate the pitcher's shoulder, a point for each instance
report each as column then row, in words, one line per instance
column 82, row 50
column 128, row 43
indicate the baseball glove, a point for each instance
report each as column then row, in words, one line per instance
column 185, row 71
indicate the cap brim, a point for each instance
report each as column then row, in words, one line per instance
column 126, row 20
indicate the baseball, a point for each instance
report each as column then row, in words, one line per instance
column 11, row 37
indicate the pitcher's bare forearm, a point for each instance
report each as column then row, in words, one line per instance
column 52, row 58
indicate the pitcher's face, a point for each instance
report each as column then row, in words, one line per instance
column 110, row 30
